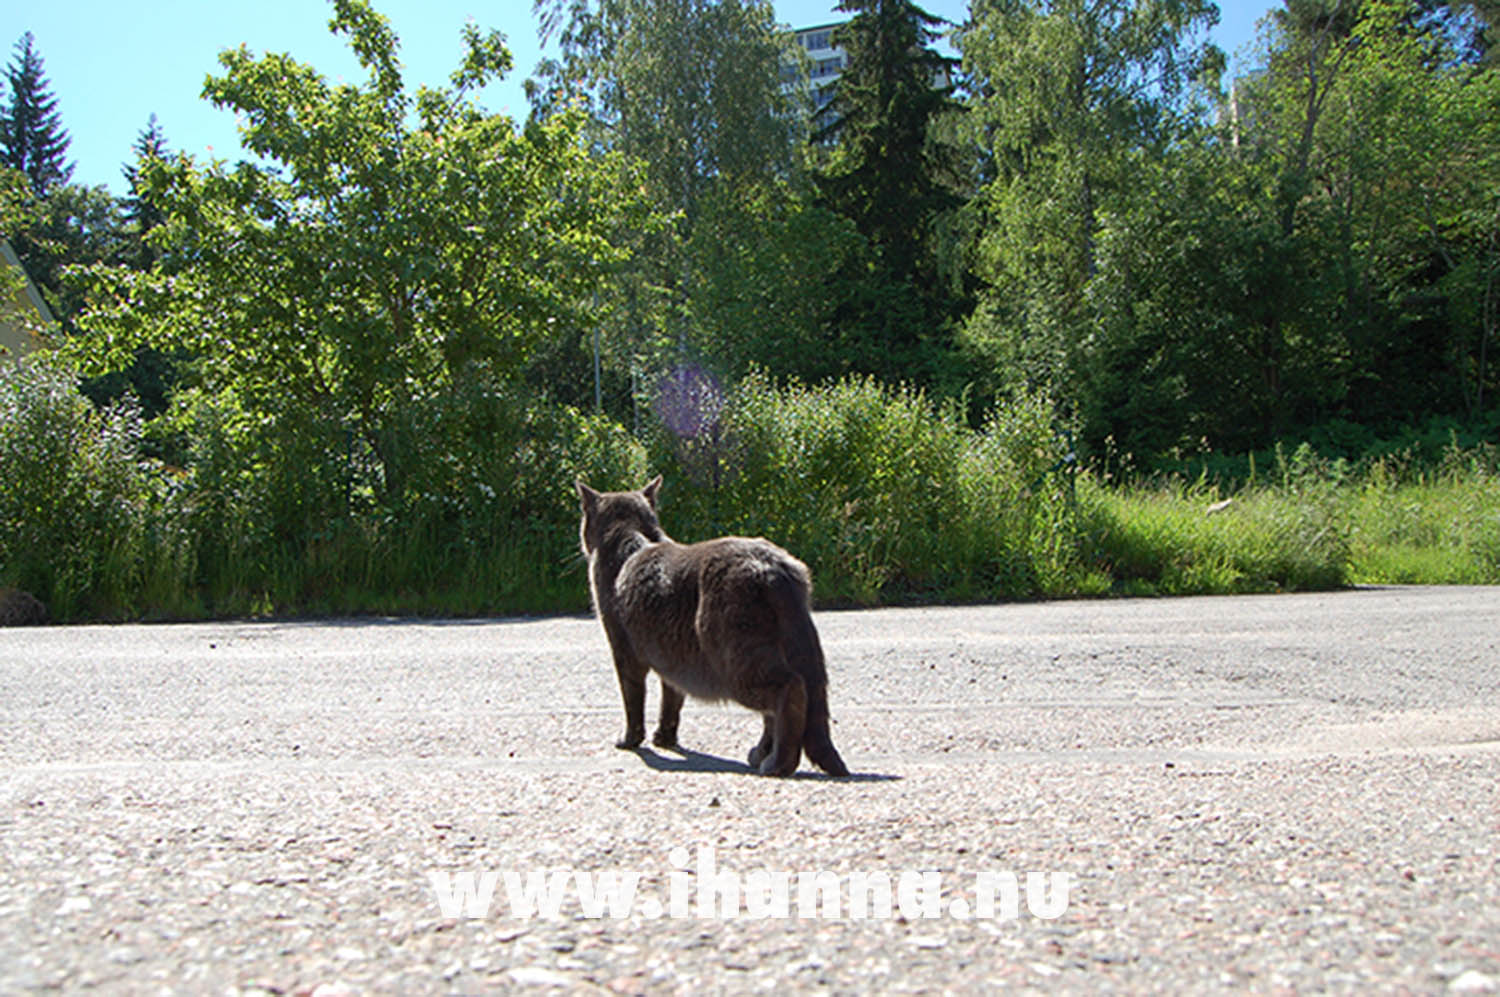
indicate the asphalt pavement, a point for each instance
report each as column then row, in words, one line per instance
column 1278, row 793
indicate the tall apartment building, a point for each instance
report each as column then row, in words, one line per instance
column 826, row 61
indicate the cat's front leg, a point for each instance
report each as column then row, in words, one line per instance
column 633, row 692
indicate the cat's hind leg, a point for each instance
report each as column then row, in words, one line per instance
column 780, row 696
column 767, row 741
column 789, row 722
column 671, row 711
column 761, row 680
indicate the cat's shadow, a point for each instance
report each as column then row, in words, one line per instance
column 688, row 760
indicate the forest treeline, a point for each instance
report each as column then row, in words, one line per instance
column 372, row 354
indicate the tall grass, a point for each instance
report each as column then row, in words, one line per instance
column 1429, row 526
column 889, row 497
column 1177, row 539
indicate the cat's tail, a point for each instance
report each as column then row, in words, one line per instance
column 805, row 654
column 816, row 740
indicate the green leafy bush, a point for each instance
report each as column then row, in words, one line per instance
column 885, row 495
column 72, row 494
column 486, row 521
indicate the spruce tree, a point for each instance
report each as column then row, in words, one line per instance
column 32, row 138
column 885, row 174
column 142, row 213
column 897, row 184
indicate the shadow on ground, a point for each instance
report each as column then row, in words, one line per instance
column 687, row 760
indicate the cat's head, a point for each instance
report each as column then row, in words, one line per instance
column 607, row 513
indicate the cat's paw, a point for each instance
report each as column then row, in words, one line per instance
column 768, row 767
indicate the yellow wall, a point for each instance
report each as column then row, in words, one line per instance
column 22, row 309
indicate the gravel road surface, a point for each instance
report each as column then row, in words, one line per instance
column 1264, row 794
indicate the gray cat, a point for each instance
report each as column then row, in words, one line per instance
column 723, row 619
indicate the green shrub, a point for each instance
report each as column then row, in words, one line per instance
column 484, row 521
column 74, row 497
column 885, row 495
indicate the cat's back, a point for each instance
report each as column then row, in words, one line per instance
column 745, row 563
column 669, row 575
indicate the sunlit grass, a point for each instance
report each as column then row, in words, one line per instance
column 1174, row 539
column 1440, row 531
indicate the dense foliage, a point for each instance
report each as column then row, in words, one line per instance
column 1192, row 271
column 353, row 371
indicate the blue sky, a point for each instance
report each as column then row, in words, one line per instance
column 111, row 64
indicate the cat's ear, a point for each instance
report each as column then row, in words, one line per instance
column 650, row 490
column 587, row 497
